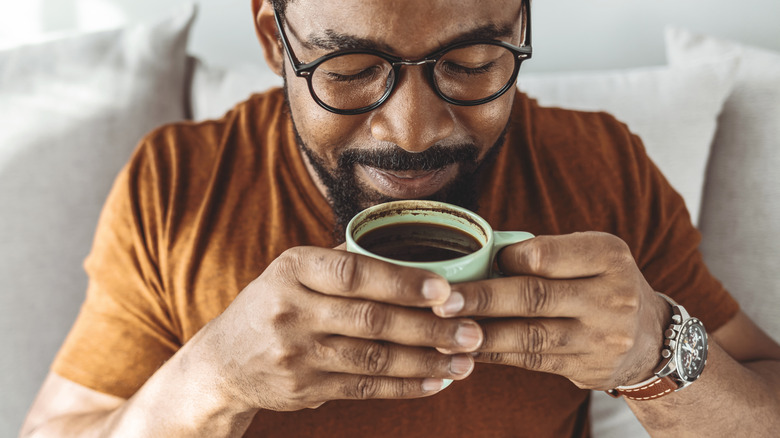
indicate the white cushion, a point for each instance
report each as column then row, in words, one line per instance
column 673, row 109
column 215, row 90
column 741, row 209
column 740, row 213
column 71, row 112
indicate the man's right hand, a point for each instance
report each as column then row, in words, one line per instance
column 317, row 325
column 322, row 324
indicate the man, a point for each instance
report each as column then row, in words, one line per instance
column 396, row 100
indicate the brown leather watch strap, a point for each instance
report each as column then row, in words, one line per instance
column 648, row 390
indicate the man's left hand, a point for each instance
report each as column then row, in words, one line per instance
column 575, row 305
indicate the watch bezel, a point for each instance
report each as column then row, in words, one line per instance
column 681, row 372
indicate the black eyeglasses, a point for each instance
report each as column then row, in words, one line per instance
column 355, row 81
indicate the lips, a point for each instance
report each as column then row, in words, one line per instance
column 409, row 184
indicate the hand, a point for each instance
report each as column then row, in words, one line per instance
column 322, row 324
column 574, row 305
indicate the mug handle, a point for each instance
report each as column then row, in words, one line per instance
column 502, row 239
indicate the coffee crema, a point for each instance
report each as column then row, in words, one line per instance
column 419, row 242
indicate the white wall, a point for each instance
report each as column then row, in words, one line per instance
column 568, row 34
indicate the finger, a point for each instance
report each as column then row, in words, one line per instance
column 356, row 387
column 569, row 256
column 527, row 296
column 532, row 336
column 564, row 365
column 345, row 274
column 401, row 325
column 363, row 357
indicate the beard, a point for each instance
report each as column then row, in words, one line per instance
column 347, row 195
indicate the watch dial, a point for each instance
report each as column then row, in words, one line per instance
column 691, row 350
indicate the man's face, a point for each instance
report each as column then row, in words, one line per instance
column 415, row 145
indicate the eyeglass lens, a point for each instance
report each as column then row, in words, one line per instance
column 468, row 73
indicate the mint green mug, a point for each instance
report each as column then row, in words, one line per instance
column 446, row 239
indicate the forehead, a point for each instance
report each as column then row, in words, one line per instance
column 407, row 26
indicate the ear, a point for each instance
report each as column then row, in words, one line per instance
column 265, row 27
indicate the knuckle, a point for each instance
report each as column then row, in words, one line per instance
column 400, row 388
column 497, row 358
column 534, row 257
column 621, row 343
column 537, row 296
column 530, row 361
column 483, row 298
column 375, row 358
column 533, row 339
column 282, row 358
column 623, row 300
column 371, row 318
column 366, row 387
column 288, row 264
column 622, row 258
column 282, row 313
column 345, row 269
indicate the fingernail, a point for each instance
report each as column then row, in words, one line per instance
column 431, row 385
column 460, row 364
column 468, row 335
column 435, row 289
column 453, row 305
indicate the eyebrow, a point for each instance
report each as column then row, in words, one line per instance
column 332, row 40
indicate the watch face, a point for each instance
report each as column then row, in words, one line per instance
column 691, row 350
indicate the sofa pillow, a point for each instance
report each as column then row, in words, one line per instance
column 741, row 210
column 673, row 109
column 71, row 112
column 215, row 89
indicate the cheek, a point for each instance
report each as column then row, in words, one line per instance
column 485, row 123
column 324, row 132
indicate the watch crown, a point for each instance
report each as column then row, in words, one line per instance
column 666, row 353
column 670, row 334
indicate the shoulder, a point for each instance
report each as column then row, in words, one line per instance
column 596, row 137
column 204, row 139
column 576, row 150
column 191, row 152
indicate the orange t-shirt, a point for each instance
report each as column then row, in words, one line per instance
column 203, row 208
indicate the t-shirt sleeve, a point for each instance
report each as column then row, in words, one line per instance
column 667, row 247
column 124, row 331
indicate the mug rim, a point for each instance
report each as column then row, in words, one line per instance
column 437, row 206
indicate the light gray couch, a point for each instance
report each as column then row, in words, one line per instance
column 71, row 112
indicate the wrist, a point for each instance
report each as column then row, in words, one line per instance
column 207, row 402
column 683, row 357
column 653, row 355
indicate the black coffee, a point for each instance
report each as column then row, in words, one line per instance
column 416, row 242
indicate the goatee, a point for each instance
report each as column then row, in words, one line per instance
column 348, row 196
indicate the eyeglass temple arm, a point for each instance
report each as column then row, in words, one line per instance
column 527, row 29
column 286, row 43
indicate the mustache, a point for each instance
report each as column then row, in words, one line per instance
column 397, row 159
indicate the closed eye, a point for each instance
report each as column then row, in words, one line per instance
column 363, row 75
column 457, row 69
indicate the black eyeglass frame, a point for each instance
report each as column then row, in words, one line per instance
column 306, row 70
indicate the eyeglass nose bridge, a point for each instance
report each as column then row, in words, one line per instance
column 411, row 63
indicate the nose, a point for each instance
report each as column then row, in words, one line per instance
column 414, row 117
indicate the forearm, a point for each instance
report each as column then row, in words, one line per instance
column 185, row 397
column 729, row 399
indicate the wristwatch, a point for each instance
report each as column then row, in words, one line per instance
column 682, row 358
